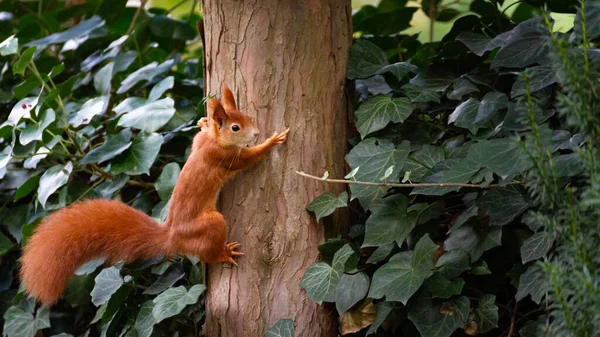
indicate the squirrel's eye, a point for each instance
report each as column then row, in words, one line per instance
column 235, row 128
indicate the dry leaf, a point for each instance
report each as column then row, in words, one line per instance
column 471, row 328
column 448, row 309
column 358, row 318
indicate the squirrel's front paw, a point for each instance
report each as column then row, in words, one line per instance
column 203, row 122
column 279, row 138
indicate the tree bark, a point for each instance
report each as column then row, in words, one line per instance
column 286, row 64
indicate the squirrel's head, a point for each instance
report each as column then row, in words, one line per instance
column 232, row 126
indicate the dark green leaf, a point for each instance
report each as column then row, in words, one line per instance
column 374, row 157
column 389, row 222
column 164, row 282
column 474, row 239
column 169, row 28
column 539, row 77
column 107, row 283
column 53, row 179
column 527, row 45
column 437, row 318
column 490, row 104
column 432, row 82
column 442, row 287
column 84, row 30
column 487, row 313
column 139, row 158
column 350, row 290
column 113, row 146
column 464, row 115
column 320, row 280
column 146, row 73
column 420, row 162
column 480, row 268
column 536, row 246
column 592, row 26
column 534, row 282
column 419, row 95
column 34, row 131
column 325, row 204
column 383, row 309
column 502, row 205
column 6, row 244
column 144, row 323
column 504, row 156
column 20, row 66
column 283, row 328
column 460, row 88
column 19, row 323
column 477, row 43
column 568, row 165
column 381, row 253
column 166, row 181
column 453, row 263
column 149, row 117
column 377, row 112
column 172, row 301
column 27, row 187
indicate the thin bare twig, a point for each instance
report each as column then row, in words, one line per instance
column 512, row 320
column 135, row 16
column 385, row 184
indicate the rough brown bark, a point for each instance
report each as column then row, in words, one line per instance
column 286, row 63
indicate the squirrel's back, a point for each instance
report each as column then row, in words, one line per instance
column 87, row 230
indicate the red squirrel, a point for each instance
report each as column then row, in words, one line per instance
column 112, row 230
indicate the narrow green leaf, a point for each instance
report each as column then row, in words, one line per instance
column 536, row 246
column 21, row 64
column 114, row 145
column 27, row 187
column 53, row 179
column 383, row 309
column 165, row 183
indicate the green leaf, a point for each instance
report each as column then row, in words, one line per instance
column 164, row 282
column 90, row 266
column 374, row 157
column 377, row 112
column 432, row 82
column 540, row 77
column 568, row 165
column 474, row 239
column 534, row 282
column 453, row 263
column 480, row 268
column 502, row 205
column 159, row 89
column 382, row 309
column 460, row 88
column 487, row 313
column 114, row 145
column 34, row 131
column 381, row 253
column 20, row 66
column 169, row 28
column 23, row 108
column 490, row 104
column 437, row 318
column 464, row 115
column 53, row 179
column 536, row 246
column 18, row 323
column 350, row 290
column 592, row 27
column 102, row 79
column 320, row 280
column 26, row 87
column 404, row 273
column 139, row 158
column 5, row 244
column 81, row 32
column 477, row 43
column 390, row 221
column 149, row 117
column 419, row 95
column 460, row 172
column 88, row 110
column 165, row 183
column 56, row 70
column 526, row 45
column 129, row 104
column 146, row 73
column 27, row 187
column 326, row 203
column 144, row 323
column 107, row 283
column 504, row 156
column 9, row 46
column 283, row 328
column 172, row 301
column 420, row 162
column 442, row 287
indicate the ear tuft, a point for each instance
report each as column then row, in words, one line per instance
column 228, row 100
column 216, row 111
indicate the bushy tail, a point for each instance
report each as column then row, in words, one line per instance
column 85, row 231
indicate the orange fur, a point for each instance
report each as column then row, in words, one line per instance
column 110, row 229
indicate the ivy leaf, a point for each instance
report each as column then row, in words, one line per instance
column 129, row 104
column 480, row 268
column 283, row 328
column 53, row 179
column 419, row 95
column 88, row 110
column 107, row 283
column 377, row 112
column 487, row 313
column 169, row 28
column 21, row 64
column 320, row 280
column 81, row 31
column 502, row 205
column 422, row 161
column 9, row 46
column 326, row 203
column 366, row 60
column 404, row 273
column 460, row 88
column 149, row 117
column 5, row 244
column 350, row 290
column 390, row 221
column 592, row 10
column 34, row 131
column 103, row 78
column 464, row 115
column 437, row 318
column 165, row 183
column 534, row 282
column 504, row 156
column 139, row 158
column 527, row 45
column 540, row 77
column 27, row 187
column 23, row 108
column 383, row 309
column 114, row 145
column 432, row 82
column 453, row 263
column 173, row 300
column 568, row 165
column 19, row 323
column 491, row 103
column 474, row 239
column 477, row 43
column 374, row 157
column 536, row 246
column 164, row 282
column 147, row 73
column 159, row 89
column 381, row 253
column 442, row 287
column 144, row 323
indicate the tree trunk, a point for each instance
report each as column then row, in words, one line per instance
column 286, row 64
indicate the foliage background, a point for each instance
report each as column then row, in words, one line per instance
column 495, row 101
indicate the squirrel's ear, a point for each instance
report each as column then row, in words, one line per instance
column 228, row 100
column 216, row 111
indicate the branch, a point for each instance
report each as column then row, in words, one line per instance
column 384, row 184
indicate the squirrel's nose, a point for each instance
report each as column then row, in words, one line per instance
column 256, row 133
